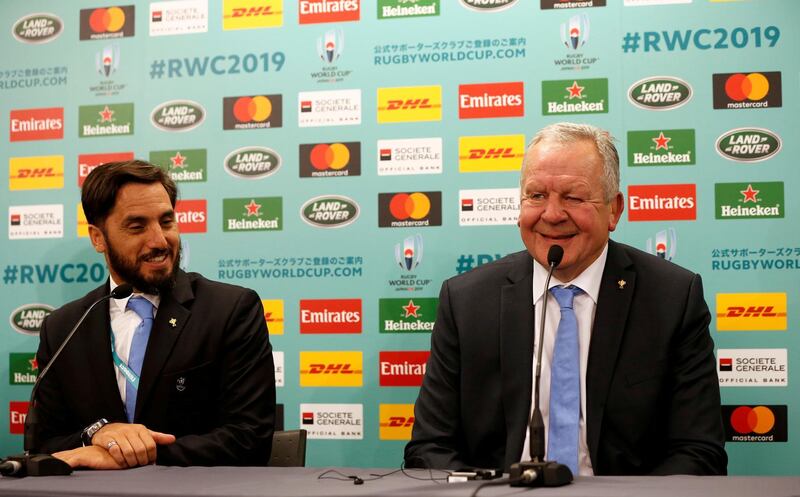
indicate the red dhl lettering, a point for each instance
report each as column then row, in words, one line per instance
column 492, row 153
column 407, row 104
column 37, row 172
column 330, row 369
column 252, row 11
column 751, row 312
column 399, row 422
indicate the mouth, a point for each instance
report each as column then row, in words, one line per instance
column 159, row 258
column 557, row 237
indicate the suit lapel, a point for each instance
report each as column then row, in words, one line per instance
column 167, row 327
column 613, row 305
column 96, row 330
column 516, row 353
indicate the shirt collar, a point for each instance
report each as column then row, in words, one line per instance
column 588, row 281
column 122, row 304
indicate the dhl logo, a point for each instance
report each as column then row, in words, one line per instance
column 396, row 421
column 36, row 173
column 409, row 104
column 490, row 153
column 251, row 14
column 419, row 103
column 331, row 369
column 83, row 224
column 751, row 311
column 273, row 315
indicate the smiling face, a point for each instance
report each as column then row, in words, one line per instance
column 563, row 203
column 140, row 238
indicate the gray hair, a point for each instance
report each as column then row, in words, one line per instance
column 568, row 133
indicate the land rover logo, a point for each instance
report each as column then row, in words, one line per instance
column 28, row 318
column 748, row 144
column 330, row 211
column 178, row 115
column 37, row 28
column 487, row 5
column 252, row 162
column 659, row 93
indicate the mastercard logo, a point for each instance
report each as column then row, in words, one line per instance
column 753, row 86
column 410, row 205
column 329, row 156
column 252, row 109
column 107, row 20
column 745, row 419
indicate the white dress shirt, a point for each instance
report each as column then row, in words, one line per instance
column 123, row 323
column 585, row 304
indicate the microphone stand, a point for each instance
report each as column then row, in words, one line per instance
column 537, row 472
column 29, row 464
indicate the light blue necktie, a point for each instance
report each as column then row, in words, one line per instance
column 565, row 384
column 144, row 308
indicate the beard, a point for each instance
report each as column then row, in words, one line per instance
column 130, row 271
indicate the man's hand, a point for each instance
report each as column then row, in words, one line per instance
column 88, row 457
column 130, row 445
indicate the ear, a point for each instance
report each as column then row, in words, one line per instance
column 617, row 207
column 97, row 238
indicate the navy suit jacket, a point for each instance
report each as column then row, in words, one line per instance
column 653, row 404
column 208, row 376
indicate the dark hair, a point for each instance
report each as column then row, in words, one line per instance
column 99, row 192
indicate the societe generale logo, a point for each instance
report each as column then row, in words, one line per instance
column 395, row 421
column 331, row 369
column 318, row 11
column 36, row 124
column 191, row 215
column 491, row 100
column 751, row 311
column 402, row 368
column 662, row 202
column 330, row 316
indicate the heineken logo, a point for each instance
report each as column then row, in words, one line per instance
column 748, row 144
column 28, row 318
column 187, row 165
column 332, row 211
column 487, row 5
column 667, row 147
column 407, row 315
column 575, row 96
column 749, row 200
column 659, row 93
column 105, row 120
column 392, row 9
column 178, row 115
column 252, row 214
column 37, row 28
column 252, row 162
column 23, row 368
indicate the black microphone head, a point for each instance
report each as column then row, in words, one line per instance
column 554, row 255
column 126, row 289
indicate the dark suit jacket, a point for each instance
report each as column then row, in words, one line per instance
column 653, row 404
column 209, row 379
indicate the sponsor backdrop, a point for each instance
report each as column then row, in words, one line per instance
column 343, row 157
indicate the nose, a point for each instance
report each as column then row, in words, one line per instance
column 156, row 237
column 554, row 212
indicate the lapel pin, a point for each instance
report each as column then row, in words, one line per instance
column 180, row 385
column 621, row 284
column 173, row 322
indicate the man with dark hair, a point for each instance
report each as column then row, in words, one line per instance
column 628, row 383
column 179, row 373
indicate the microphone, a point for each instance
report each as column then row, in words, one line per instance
column 28, row 464
column 537, row 472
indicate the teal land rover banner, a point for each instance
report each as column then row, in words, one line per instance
column 344, row 157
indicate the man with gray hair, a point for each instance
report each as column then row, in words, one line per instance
column 628, row 383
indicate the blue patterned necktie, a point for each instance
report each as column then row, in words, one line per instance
column 144, row 309
column 565, row 384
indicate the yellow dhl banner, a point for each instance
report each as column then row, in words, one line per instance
column 331, row 369
column 477, row 154
column 751, row 311
column 36, row 173
column 409, row 104
column 396, row 421
column 273, row 315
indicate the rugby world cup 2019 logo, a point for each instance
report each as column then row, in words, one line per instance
column 252, row 112
column 408, row 254
column 575, row 32
column 330, row 46
column 664, row 244
column 404, row 210
column 105, row 23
